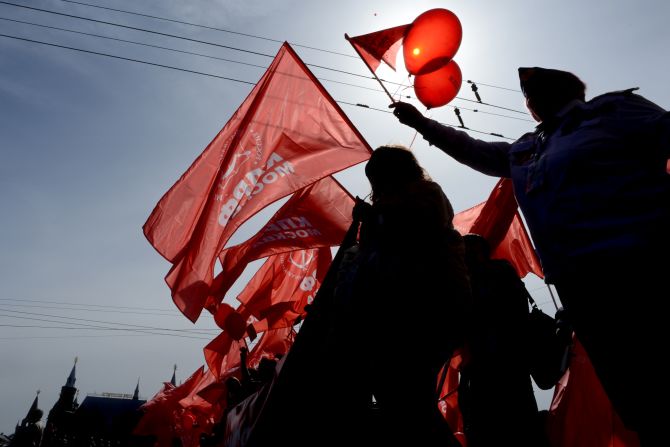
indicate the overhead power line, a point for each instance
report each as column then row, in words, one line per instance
column 128, row 59
column 48, row 11
column 87, row 320
column 446, row 124
column 52, row 337
column 134, row 28
column 109, row 324
column 70, row 303
column 165, row 66
column 79, row 309
column 90, row 326
column 116, row 39
column 198, row 25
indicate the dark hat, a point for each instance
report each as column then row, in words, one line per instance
column 537, row 81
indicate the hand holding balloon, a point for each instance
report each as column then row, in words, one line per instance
column 407, row 114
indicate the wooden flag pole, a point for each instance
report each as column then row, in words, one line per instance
column 346, row 36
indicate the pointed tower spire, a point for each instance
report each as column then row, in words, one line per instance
column 136, row 394
column 33, row 407
column 173, row 381
column 34, row 413
column 72, row 378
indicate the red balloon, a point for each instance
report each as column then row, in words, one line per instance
column 438, row 87
column 431, row 41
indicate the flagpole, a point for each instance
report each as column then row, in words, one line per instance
column 552, row 296
column 346, row 36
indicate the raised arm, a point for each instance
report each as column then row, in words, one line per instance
column 489, row 158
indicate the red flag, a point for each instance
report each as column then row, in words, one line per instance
column 223, row 353
column 193, row 399
column 287, row 279
column 499, row 221
column 448, row 400
column 316, row 216
column 581, row 414
column 379, row 46
column 287, row 134
column 272, row 343
column 160, row 413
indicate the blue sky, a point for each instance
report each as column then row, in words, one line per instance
column 88, row 144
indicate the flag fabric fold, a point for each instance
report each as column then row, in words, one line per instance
column 499, row 221
column 287, row 134
column 285, row 283
column 161, row 414
column 316, row 216
column 581, row 414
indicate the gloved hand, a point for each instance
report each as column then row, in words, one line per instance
column 407, row 114
column 362, row 210
column 563, row 326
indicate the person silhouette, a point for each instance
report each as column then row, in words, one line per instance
column 495, row 392
column 593, row 184
column 410, row 292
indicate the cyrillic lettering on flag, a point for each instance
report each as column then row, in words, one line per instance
column 287, row 134
column 284, row 284
column 316, row 216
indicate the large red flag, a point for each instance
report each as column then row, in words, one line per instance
column 379, row 46
column 316, row 216
column 498, row 220
column 581, row 414
column 287, row 134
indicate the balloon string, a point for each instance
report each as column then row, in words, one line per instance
column 413, row 138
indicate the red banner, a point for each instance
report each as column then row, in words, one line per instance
column 581, row 414
column 316, row 216
column 287, row 134
column 499, row 221
column 162, row 413
column 285, row 283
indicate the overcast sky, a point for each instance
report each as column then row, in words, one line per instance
column 89, row 144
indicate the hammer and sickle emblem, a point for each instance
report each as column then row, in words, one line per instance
column 301, row 259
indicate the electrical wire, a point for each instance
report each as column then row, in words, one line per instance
column 70, row 303
column 181, row 69
column 128, row 325
column 183, row 22
column 116, row 39
column 219, row 45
